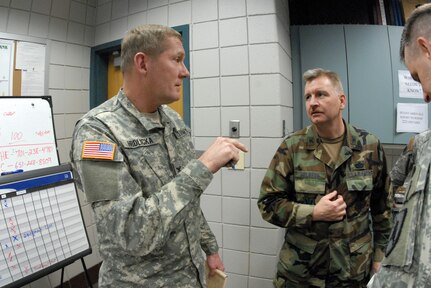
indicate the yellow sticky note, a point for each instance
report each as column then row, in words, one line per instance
column 240, row 164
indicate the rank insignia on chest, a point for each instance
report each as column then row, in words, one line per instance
column 181, row 133
column 98, row 150
column 359, row 165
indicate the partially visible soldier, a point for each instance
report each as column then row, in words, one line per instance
column 408, row 255
column 322, row 185
column 403, row 165
column 399, row 173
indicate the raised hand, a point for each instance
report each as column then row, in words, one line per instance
column 221, row 152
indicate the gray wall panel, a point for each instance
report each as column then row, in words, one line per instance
column 370, row 80
column 296, row 78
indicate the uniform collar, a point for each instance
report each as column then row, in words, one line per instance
column 353, row 141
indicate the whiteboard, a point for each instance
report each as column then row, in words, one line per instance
column 41, row 225
column 27, row 136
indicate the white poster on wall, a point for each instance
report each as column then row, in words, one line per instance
column 32, row 83
column 412, row 117
column 30, row 58
column 6, row 69
column 408, row 87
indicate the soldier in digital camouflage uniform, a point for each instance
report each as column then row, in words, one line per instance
column 322, row 185
column 407, row 262
column 137, row 166
column 403, row 165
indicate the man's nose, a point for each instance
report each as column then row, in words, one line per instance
column 313, row 101
column 184, row 72
column 427, row 98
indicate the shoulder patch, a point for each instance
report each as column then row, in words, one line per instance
column 98, row 150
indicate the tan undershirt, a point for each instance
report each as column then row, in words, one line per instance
column 153, row 117
column 333, row 147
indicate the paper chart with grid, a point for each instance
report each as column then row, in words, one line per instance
column 39, row 229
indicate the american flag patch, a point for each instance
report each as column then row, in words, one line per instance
column 98, row 150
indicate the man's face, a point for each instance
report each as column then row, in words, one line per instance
column 418, row 61
column 323, row 102
column 167, row 71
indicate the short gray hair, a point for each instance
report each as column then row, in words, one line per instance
column 312, row 74
column 148, row 39
column 418, row 24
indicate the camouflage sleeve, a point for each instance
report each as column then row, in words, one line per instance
column 381, row 206
column 208, row 240
column 137, row 224
column 277, row 194
column 403, row 165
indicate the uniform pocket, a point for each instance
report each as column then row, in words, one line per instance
column 361, row 255
column 310, row 182
column 359, row 180
column 410, row 183
column 101, row 179
column 297, row 253
column 308, row 185
column 401, row 246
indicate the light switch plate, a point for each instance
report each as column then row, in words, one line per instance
column 234, row 128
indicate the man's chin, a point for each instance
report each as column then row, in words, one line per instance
column 315, row 120
column 172, row 99
column 176, row 99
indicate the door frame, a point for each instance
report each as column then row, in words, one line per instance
column 99, row 71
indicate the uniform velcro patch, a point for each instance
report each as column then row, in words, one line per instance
column 98, row 150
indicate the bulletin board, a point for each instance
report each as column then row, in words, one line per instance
column 22, row 68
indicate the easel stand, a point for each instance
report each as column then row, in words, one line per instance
column 87, row 277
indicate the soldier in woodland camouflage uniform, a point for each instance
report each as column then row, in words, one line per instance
column 322, row 185
column 136, row 163
column 407, row 263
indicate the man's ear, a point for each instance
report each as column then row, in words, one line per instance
column 343, row 101
column 140, row 61
column 424, row 46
